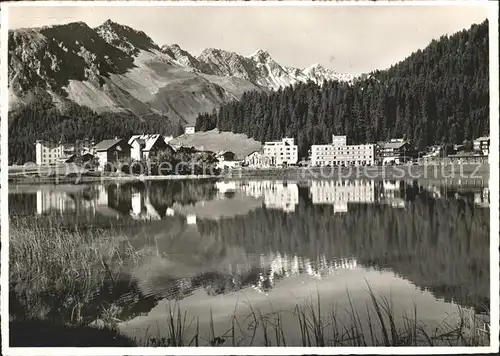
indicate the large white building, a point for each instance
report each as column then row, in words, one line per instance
column 284, row 152
column 50, row 153
column 47, row 152
column 339, row 153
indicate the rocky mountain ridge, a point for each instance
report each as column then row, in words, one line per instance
column 116, row 68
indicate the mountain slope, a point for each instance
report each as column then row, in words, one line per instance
column 114, row 68
column 261, row 69
column 216, row 141
column 439, row 95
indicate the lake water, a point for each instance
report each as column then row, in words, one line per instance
column 218, row 248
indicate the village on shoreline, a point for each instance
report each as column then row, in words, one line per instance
column 156, row 157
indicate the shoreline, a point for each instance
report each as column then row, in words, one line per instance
column 452, row 174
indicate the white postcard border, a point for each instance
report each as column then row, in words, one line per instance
column 494, row 195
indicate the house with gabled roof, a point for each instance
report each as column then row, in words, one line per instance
column 257, row 159
column 111, row 151
column 146, row 146
column 395, row 151
column 227, row 159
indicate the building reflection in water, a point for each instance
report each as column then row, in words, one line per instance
column 262, row 274
column 482, row 198
column 110, row 200
column 276, row 194
column 477, row 192
column 142, row 208
column 53, row 201
column 392, row 194
column 341, row 192
column 125, row 200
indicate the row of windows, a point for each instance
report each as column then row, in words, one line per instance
column 280, row 148
column 355, row 158
column 343, row 183
column 338, row 195
column 342, row 147
column 342, row 163
column 345, row 153
column 354, row 155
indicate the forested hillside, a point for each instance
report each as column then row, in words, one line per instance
column 41, row 120
column 436, row 95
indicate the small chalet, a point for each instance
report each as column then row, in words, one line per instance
column 396, row 151
column 111, row 151
column 257, row 159
column 145, row 146
column 189, row 130
column 227, row 159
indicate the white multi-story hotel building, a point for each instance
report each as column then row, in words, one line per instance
column 282, row 152
column 339, row 153
column 47, row 152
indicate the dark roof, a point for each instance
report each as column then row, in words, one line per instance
column 391, row 144
column 67, row 158
column 255, row 151
column 223, row 153
column 105, row 145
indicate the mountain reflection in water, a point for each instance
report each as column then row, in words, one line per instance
column 222, row 237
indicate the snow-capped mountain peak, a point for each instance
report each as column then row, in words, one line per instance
column 317, row 73
column 115, row 67
column 260, row 56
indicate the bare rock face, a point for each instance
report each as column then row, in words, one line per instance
column 115, row 67
column 262, row 69
column 49, row 57
column 125, row 38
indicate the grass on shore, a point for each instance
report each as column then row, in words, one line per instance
column 324, row 329
column 52, row 264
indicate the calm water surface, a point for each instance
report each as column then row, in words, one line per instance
column 216, row 247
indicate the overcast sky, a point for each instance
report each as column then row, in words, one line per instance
column 352, row 39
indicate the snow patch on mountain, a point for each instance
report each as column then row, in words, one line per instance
column 259, row 67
